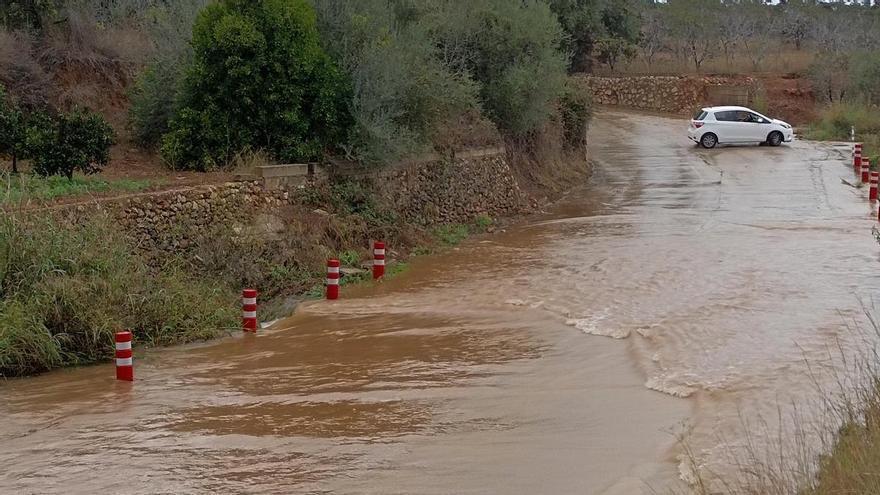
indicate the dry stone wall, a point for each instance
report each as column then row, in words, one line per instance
column 436, row 191
column 453, row 190
column 672, row 94
column 169, row 221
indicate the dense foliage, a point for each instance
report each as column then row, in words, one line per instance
column 76, row 141
column 13, row 133
column 259, row 80
column 611, row 26
column 402, row 89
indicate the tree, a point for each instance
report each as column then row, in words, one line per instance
column 586, row 21
column 612, row 50
column 259, row 80
column 512, row 50
column 694, row 30
column 75, row 141
column 12, row 130
column 829, row 74
column 757, row 23
column 404, row 89
column 653, row 36
column 795, row 21
column 156, row 92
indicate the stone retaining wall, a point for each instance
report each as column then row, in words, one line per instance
column 440, row 190
column 166, row 221
column 672, row 94
column 453, row 190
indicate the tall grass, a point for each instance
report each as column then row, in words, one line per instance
column 824, row 443
column 836, row 122
column 65, row 289
column 17, row 188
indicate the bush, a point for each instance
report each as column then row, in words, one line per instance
column 829, row 74
column 76, row 141
column 575, row 109
column 513, row 50
column 259, row 80
column 52, row 274
column 153, row 98
column 865, row 72
column 403, row 92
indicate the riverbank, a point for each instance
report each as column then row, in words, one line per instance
column 170, row 266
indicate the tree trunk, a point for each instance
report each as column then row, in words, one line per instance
column 582, row 58
column 14, row 164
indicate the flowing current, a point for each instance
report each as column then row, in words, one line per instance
column 679, row 292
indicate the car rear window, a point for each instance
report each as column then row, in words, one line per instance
column 700, row 115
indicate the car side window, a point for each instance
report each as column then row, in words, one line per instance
column 725, row 116
column 744, row 117
column 756, row 118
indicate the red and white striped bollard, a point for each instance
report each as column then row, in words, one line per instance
column 872, row 192
column 857, row 158
column 378, row 260
column 866, row 170
column 332, row 279
column 249, row 310
column 124, row 363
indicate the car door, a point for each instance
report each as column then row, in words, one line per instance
column 758, row 128
column 725, row 128
column 748, row 127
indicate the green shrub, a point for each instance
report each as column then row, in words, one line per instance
column 153, row 99
column 403, row 92
column 513, row 50
column 259, row 80
column 64, row 291
column 836, row 122
column 452, row 234
column 76, row 141
column 864, row 76
column 575, row 109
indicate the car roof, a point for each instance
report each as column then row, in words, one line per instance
column 727, row 109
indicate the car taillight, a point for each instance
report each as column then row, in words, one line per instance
column 697, row 125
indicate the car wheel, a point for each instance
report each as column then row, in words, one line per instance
column 775, row 138
column 708, row 140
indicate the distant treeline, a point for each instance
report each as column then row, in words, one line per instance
column 378, row 80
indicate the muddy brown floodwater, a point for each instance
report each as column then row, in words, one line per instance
column 679, row 287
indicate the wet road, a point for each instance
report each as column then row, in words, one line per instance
column 680, row 289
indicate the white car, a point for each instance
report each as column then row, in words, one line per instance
column 730, row 125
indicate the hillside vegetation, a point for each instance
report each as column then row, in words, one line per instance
column 372, row 81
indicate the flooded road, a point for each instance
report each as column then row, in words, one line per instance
column 677, row 289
